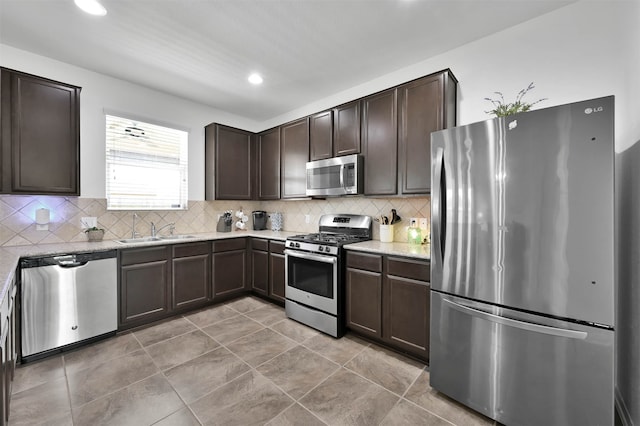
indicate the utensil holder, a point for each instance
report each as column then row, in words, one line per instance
column 386, row 233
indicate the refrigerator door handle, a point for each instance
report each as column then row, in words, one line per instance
column 439, row 205
column 537, row 328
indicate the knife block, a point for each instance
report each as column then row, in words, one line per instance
column 224, row 224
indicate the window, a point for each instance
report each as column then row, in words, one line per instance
column 146, row 166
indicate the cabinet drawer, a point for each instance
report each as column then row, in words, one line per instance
column 276, row 246
column 408, row 268
column 191, row 249
column 230, row 244
column 143, row 255
column 369, row 262
column 259, row 244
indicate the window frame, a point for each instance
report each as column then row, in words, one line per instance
column 161, row 163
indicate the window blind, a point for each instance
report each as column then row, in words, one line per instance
column 146, row 166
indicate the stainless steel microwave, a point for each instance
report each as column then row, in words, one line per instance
column 335, row 176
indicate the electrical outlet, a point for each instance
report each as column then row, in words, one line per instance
column 413, row 222
column 307, row 218
column 424, row 224
column 88, row 222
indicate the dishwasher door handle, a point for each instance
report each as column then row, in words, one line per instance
column 71, row 264
column 69, row 261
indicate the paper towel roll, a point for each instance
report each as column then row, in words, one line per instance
column 42, row 216
column 42, row 220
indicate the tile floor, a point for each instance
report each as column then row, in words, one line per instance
column 240, row 363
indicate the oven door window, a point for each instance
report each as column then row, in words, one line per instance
column 311, row 276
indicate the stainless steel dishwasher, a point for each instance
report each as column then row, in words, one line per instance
column 67, row 299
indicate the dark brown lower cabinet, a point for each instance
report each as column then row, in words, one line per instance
column 191, row 278
column 229, row 264
column 388, row 299
column 364, row 293
column 3, row 377
column 276, row 270
column 260, row 266
column 7, row 351
column 144, row 285
column 267, row 268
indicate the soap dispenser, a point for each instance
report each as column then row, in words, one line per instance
column 414, row 233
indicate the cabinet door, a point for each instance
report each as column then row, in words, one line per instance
column 364, row 302
column 229, row 273
column 269, row 165
column 380, row 143
column 191, row 283
column 346, row 129
column 144, row 295
column 43, row 117
column 406, row 314
column 321, row 136
column 294, row 147
column 421, row 107
column 260, row 271
column 276, row 276
column 228, row 163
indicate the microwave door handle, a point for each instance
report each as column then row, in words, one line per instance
column 342, row 171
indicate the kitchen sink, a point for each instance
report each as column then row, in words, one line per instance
column 150, row 239
column 176, row 237
column 138, row 240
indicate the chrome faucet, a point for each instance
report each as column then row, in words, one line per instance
column 134, row 234
column 154, row 231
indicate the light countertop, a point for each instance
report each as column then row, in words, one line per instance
column 10, row 256
column 418, row 251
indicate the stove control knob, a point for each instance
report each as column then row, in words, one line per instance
column 320, row 248
column 297, row 245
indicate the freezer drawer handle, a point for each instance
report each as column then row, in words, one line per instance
column 537, row 328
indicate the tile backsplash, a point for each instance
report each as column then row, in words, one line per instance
column 17, row 216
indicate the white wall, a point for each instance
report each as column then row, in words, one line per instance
column 100, row 92
column 584, row 50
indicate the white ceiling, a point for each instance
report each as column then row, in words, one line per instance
column 305, row 49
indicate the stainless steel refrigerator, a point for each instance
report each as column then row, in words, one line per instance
column 522, row 265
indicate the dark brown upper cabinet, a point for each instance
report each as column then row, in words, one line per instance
column 346, row 129
column 268, row 158
column 40, row 136
column 424, row 106
column 321, row 136
column 294, row 145
column 228, row 165
column 380, row 143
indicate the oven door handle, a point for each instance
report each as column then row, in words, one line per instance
column 314, row 257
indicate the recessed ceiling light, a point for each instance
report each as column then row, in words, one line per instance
column 255, row 78
column 92, row 7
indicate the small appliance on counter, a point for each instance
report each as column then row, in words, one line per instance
column 259, row 220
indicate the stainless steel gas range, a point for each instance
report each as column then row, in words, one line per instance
column 314, row 272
